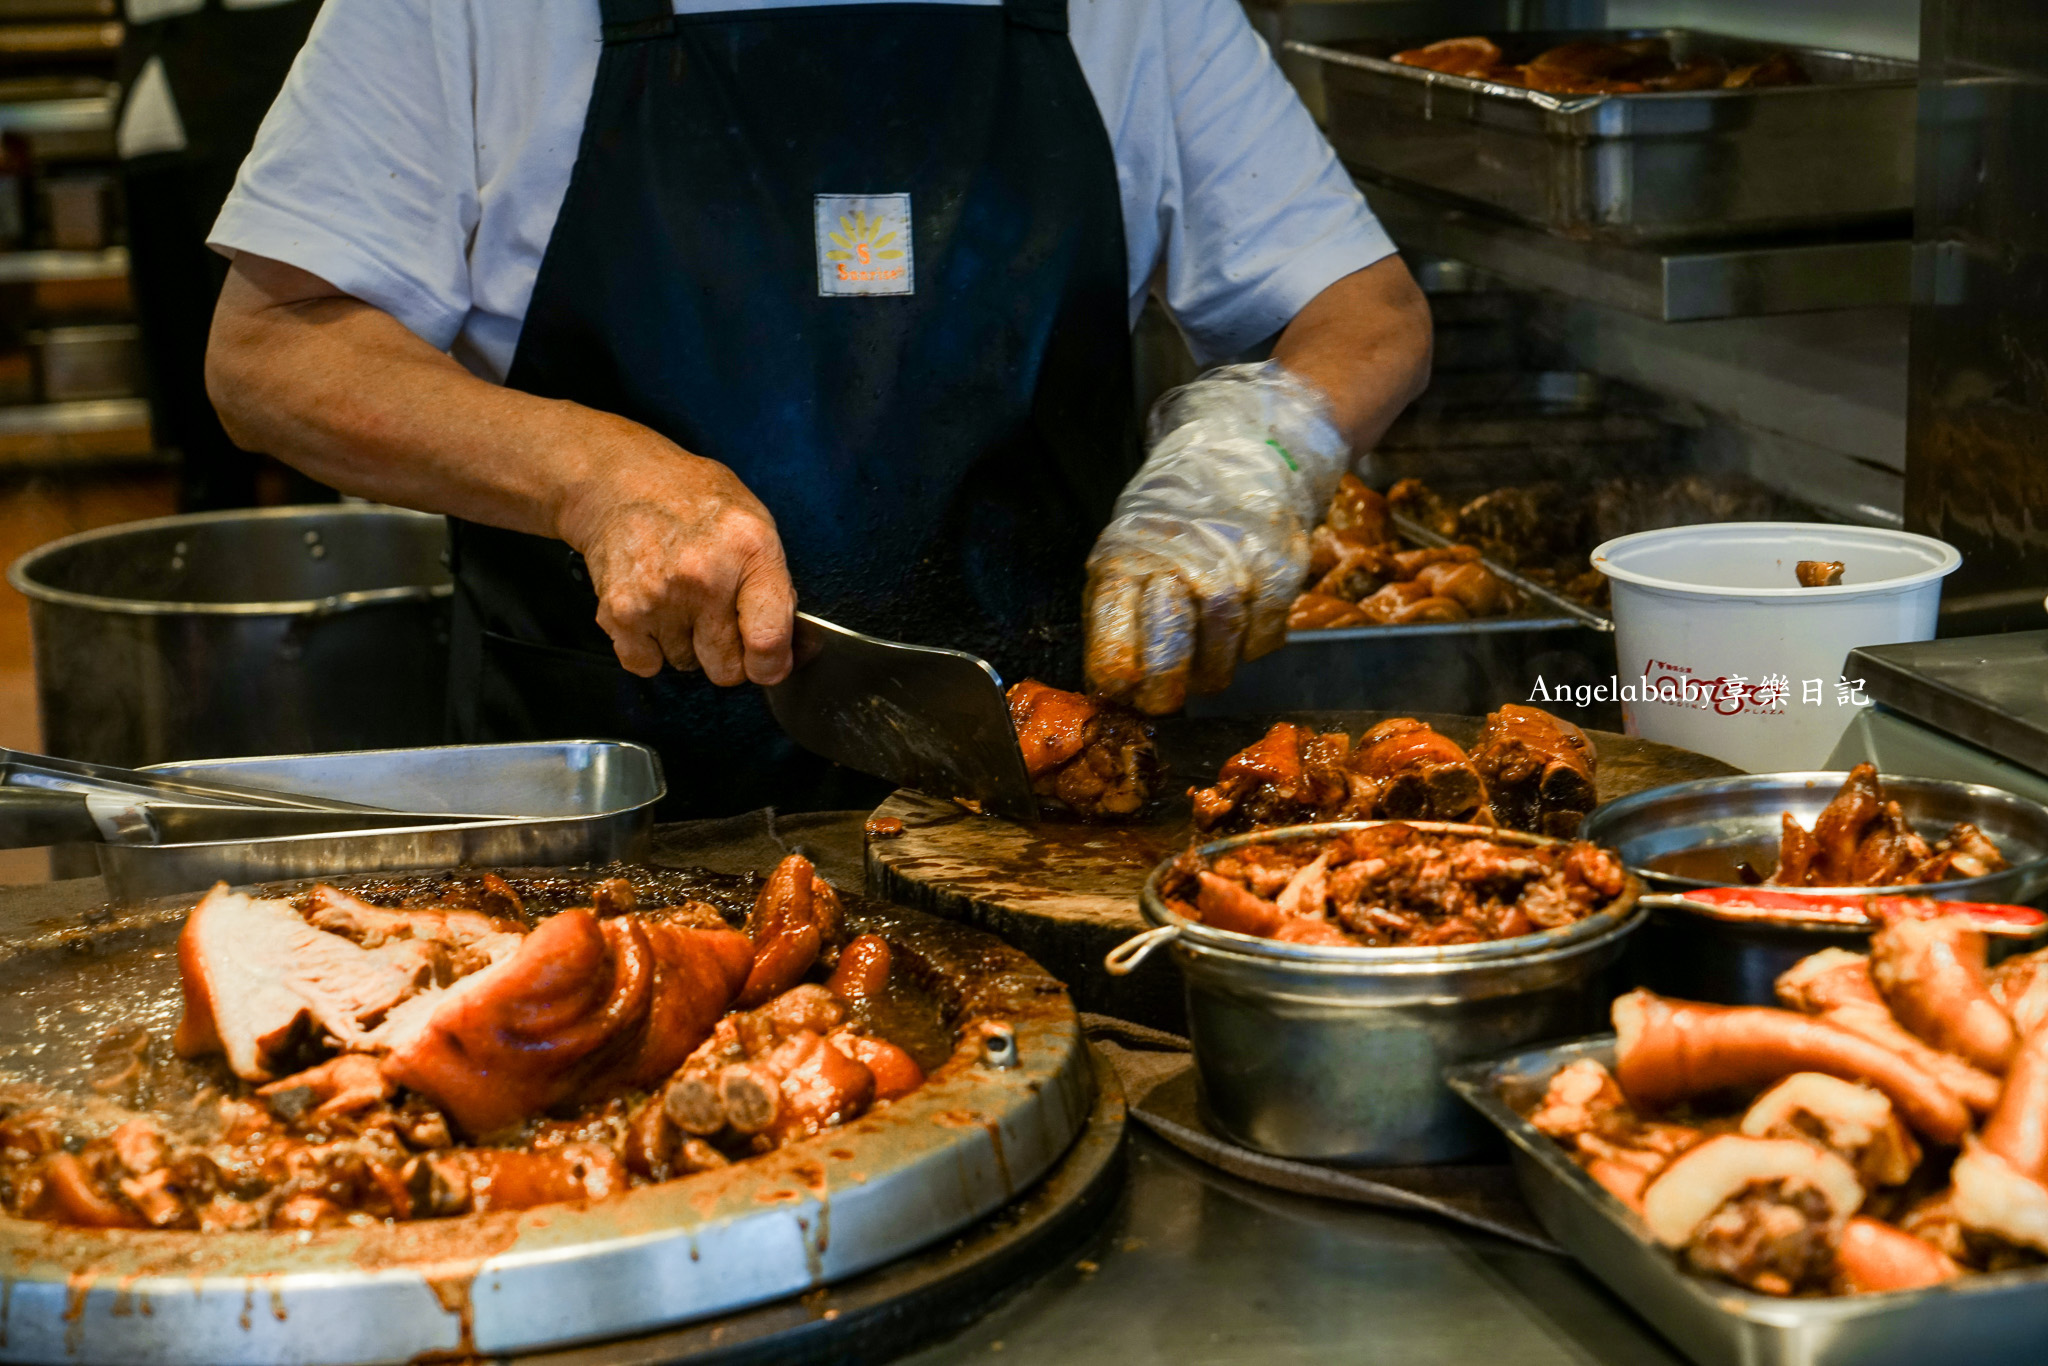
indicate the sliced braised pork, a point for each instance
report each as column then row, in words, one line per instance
column 259, row 980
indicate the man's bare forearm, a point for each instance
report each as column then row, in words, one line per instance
column 685, row 562
column 350, row 396
column 1365, row 342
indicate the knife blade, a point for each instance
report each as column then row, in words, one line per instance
column 921, row 717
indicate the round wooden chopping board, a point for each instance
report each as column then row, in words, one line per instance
column 1067, row 893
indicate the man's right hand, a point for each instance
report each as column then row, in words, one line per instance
column 686, row 561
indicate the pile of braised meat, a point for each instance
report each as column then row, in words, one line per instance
column 1862, row 839
column 1359, row 575
column 1087, row 756
column 1393, row 886
column 417, row 1061
column 1590, row 67
column 1546, row 530
column 1887, row 1130
column 1530, row 771
column 1819, row 573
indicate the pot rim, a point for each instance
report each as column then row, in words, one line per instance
column 19, row 574
column 1620, row 915
column 1944, row 559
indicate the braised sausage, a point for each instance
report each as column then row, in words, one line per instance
column 1873, row 1257
column 1669, row 1050
column 1932, row 975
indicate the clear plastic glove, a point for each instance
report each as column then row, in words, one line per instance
column 1209, row 543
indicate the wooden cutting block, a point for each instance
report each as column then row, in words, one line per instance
column 1067, row 893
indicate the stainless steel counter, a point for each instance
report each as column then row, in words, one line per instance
column 1197, row 1268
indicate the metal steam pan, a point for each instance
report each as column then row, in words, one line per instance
column 554, row 803
column 2001, row 1317
column 1641, row 167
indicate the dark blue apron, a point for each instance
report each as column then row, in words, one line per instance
column 871, row 257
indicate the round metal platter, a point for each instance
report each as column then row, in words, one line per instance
column 811, row 1213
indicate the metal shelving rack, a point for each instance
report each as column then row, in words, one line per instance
column 57, row 57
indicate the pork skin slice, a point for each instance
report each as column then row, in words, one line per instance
column 330, row 908
column 585, row 1003
column 522, row 1035
column 697, row 973
column 254, row 974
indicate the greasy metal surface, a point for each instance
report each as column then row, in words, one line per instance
column 250, row 632
column 811, row 1213
column 919, row 1298
column 1338, row 1054
column 1989, row 690
column 1999, row 1318
column 1977, row 392
column 1200, row 1269
column 544, row 803
column 1897, row 744
column 1667, row 281
column 1644, row 166
column 1067, row 893
column 923, row 718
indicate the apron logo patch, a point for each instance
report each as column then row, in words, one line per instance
column 864, row 245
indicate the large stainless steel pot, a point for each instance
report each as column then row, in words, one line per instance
column 275, row 630
column 1338, row 1054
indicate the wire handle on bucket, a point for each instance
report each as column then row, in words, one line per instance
column 1123, row 960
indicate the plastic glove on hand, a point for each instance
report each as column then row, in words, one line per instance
column 1209, row 543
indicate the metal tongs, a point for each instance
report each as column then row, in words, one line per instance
column 45, row 800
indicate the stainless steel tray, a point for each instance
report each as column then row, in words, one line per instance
column 1981, row 1320
column 1636, row 167
column 556, row 803
column 1468, row 667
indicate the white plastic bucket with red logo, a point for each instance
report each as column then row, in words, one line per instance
column 1723, row 653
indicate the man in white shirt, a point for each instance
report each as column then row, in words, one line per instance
column 682, row 309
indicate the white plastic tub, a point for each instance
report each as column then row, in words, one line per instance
column 1723, row 653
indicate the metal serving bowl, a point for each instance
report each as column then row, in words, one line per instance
column 1337, row 1054
column 1674, row 837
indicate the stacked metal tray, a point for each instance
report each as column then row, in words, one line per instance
column 1996, row 1318
column 1470, row 667
column 1834, row 154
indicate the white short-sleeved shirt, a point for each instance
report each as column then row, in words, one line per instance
column 420, row 151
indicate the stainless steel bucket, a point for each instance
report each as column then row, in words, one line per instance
column 1338, row 1054
column 274, row 630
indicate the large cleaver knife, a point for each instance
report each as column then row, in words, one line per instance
column 924, row 718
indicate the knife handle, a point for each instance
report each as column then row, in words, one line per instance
column 31, row 816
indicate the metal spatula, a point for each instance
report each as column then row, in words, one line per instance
column 924, row 718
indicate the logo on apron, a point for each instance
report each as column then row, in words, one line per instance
column 864, row 244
